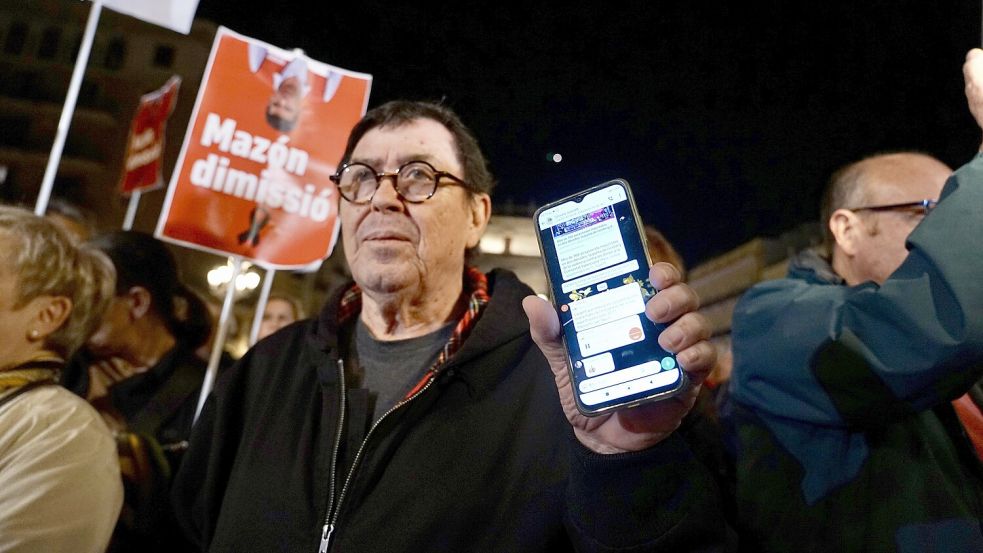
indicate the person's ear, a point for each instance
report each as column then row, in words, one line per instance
column 480, row 211
column 847, row 228
column 138, row 301
column 52, row 312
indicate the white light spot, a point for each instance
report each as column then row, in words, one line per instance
column 557, row 158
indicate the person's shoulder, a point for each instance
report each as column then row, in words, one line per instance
column 800, row 289
column 287, row 336
column 54, row 407
column 505, row 285
column 771, row 293
column 53, row 419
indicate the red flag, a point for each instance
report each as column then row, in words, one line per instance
column 145, row 147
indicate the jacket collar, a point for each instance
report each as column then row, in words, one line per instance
column 502, row 321
column 810, row 266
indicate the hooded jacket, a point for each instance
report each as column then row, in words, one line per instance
column 846, row 438
column 285, row 458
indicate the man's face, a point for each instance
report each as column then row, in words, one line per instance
column 881, row 238
column 115, row 324
column 285, row 101
column 392, row 245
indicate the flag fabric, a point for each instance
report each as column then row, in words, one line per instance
column 142, row 166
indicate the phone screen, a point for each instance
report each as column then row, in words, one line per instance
column 598, row 268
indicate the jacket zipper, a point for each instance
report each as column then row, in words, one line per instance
column 331, row 518
column 327, row 529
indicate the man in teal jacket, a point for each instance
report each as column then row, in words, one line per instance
column 845, row 371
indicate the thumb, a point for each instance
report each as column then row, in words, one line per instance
column 544, row 326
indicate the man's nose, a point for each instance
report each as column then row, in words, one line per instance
column 386, row 197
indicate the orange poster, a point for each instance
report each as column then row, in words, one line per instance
column 268, row 130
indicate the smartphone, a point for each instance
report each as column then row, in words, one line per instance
column 597, row 265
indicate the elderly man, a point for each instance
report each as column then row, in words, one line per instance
column 844, row 371
column 416, row 413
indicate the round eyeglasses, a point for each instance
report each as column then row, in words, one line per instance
column 414, row 181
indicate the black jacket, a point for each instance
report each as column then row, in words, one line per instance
column 482, row 460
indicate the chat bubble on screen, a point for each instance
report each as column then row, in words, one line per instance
column 592, row 246
column 602, row 308
column 598, row 365
column 611, row 335
column 610, row 272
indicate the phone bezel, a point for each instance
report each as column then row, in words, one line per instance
column 662, row 394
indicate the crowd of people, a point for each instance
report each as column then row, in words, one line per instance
column 428, row 405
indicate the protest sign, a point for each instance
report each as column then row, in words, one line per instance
column 176, row 15
column 268, row 129
column 145, row 145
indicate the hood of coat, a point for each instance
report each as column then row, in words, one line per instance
column 502, row 323
column 810, row 266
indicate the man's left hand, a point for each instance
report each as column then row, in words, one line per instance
column 646, row 425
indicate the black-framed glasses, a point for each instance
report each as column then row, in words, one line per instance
column 414, row 181
column 921, row 207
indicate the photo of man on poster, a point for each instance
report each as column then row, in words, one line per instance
column 290, row 86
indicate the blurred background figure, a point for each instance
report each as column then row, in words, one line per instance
column 61, row 488
column 660, row 249
column 281, row 310
column 77, row 221
column 141, row 372
column 235, row 345
column 701, row 427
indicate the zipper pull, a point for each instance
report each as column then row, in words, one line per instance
column 325, row 538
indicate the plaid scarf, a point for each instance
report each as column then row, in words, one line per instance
column 475, row 283
column 44, row 369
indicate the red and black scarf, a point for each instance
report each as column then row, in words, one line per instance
column 475, row 284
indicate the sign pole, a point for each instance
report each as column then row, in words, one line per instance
column 131, row 210
column 218, row 345
column 69, row 109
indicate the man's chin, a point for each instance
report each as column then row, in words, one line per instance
column 387, row 276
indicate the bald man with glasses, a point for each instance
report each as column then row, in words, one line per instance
column 845, row 372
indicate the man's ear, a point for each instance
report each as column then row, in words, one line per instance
column 480, row 208
column 52, row 312
column 846, row 227
column 138, row 302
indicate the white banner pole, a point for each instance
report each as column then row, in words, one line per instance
column 264, row 298
column 131, row 210
column 219, row 344
column 69, row 109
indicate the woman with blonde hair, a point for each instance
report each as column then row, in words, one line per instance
column 61, row 486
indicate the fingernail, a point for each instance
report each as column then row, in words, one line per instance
column 664, row 272
column 673, row 337
column 660, row 309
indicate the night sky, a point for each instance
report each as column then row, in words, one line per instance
column 727, row 118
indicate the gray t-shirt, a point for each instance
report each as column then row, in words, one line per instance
column 391, row 368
